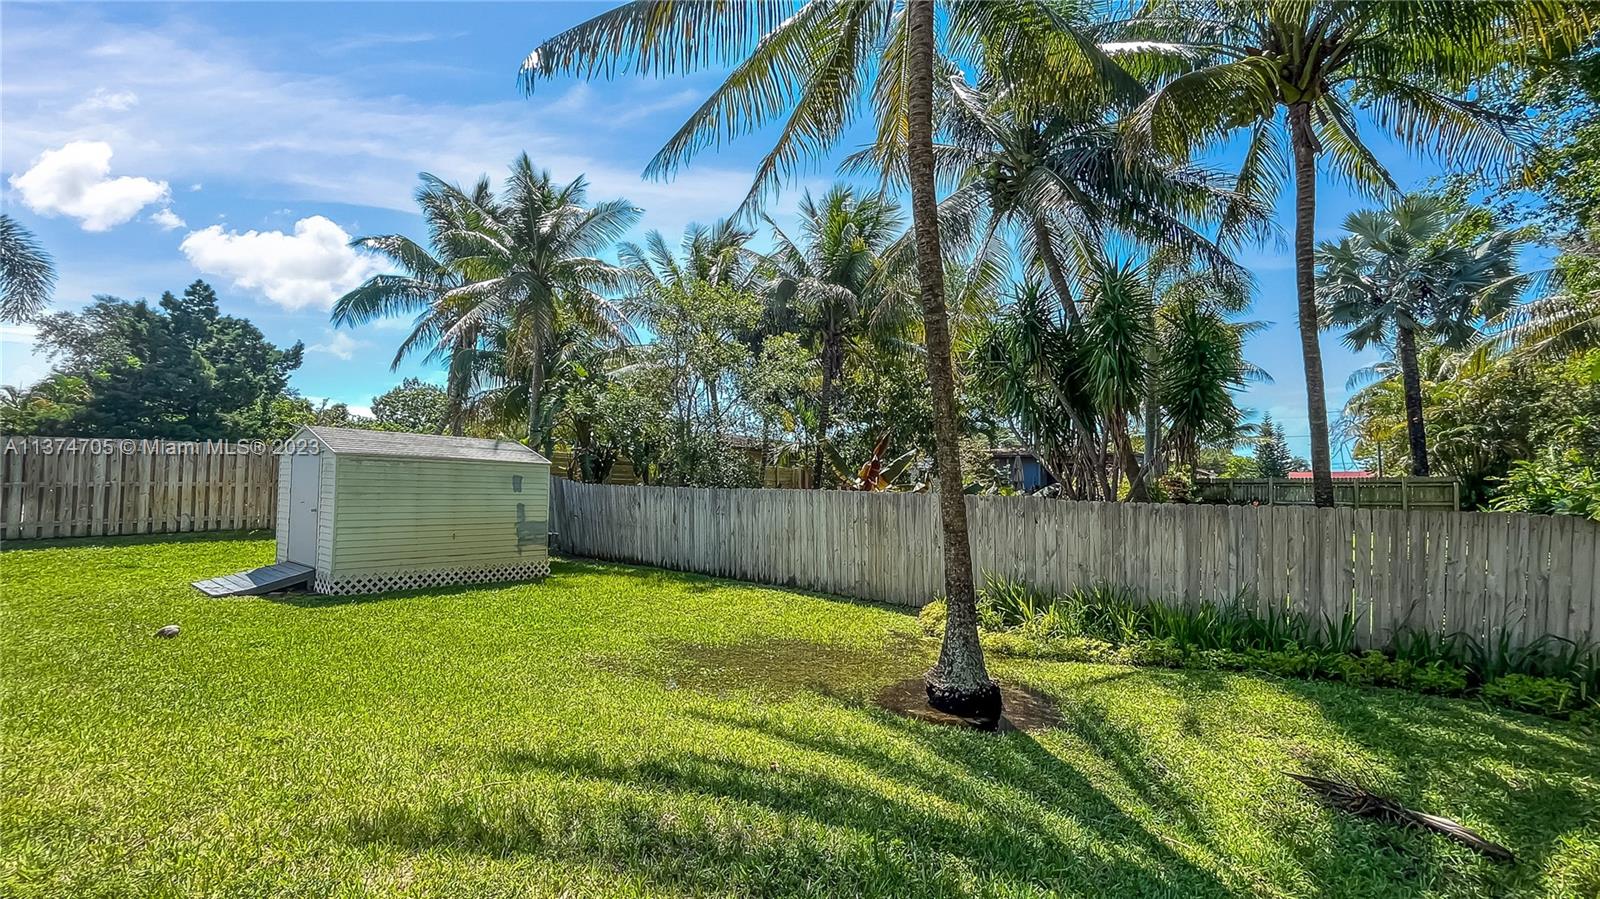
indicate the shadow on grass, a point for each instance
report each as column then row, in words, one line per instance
column 1528, row 782
column 762, row 801
column 876, row 806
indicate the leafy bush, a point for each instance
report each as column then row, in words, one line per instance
column 1106, row 624
column 1552, row 484
column 1543, row 695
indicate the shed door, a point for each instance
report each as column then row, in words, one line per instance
column 305, row 484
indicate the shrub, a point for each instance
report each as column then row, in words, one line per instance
column 1543, row 695
column 1106, row 624
column 1553, row 484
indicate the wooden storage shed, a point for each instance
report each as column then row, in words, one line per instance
column 377, row 510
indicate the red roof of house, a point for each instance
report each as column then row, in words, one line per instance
column 1346, row 475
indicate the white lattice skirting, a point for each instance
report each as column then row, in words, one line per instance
column 380, row 582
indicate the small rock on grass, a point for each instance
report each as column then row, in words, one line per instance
column 169, row 631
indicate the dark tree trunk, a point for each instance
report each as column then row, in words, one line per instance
column 1305, row 146
column 1052, row 267
column 831, row 353
column 958, row 683
column 1411, row 379
column 535, row 390
column 1137, row 491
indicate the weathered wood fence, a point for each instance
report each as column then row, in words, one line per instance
column 1358, row 493
column 91, row 487
column 1477, row 573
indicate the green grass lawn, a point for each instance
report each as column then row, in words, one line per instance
column 624, row 731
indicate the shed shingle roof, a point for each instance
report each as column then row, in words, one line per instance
column 422, row 446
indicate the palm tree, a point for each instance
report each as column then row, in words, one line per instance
column 1199, row 365
column 1565, row 317
column 420, row 288
column 827, row 288
column 1063, row 184
column 715, row 255
column 1316, row 60
column 814, row 59
column 1400, row 275
column 509, row 271
column 533, row 259
column 26, row 273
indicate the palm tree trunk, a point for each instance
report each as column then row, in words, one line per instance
column 958, row 683
column 535, row 389
column 1052, row 267
column 830, row 373
column 1411, row 379
column 1305, row 211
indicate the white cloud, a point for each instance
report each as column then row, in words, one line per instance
column 212, row 108
column 339, row 344
column 310, row 268
column 103, row 100
column 73, row 180
column 377, row 39
column 22, row 361
column 167, row 219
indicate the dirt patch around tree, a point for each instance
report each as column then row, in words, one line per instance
column 1024, row 709
column 779, row 668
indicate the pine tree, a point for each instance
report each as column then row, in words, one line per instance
column 1272, row 451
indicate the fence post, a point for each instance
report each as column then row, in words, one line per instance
column 1405, row 494
column 1271, row 494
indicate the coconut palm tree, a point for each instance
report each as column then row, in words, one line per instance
column 826, row 286
column 507, row 271
column 26, row 273
column 809, row 63
column 715, row 255
column 419, row 288
column 533, row 258
column 1564, row 317
column 1400, row 275
column 1316, row 61
column 1062, row 185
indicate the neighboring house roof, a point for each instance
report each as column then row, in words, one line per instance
column 357, row 442
column 1337, row 475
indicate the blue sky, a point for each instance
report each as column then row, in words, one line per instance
column 148, row 145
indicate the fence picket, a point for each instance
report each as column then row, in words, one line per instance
column 107, row 487
column 1422, row 569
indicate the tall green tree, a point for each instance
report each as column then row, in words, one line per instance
column 419, row 287
column 809, row 63
column 1316, row 61
column 26, row 273
column 1272, row 456
column 826, row 286
column 179, row 369
column 715, row 255
column 509, row 269
column 412, row 405
column 1404, row 274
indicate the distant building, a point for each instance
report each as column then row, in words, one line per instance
column 1337, row 475
column 1021, row 467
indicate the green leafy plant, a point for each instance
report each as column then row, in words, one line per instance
column 1112, row 625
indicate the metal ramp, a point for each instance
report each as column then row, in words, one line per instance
column 266, row 579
